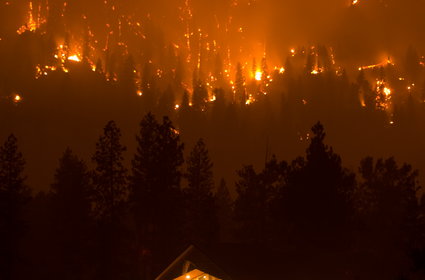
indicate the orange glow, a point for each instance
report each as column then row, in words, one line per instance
column 388, row 61
column 387, row 91
column 17, row 98
column 258, row 75
column 31, row 25
column 74, row 58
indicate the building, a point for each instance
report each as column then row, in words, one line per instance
column 224, row 262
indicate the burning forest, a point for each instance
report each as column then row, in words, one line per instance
column 191, row 91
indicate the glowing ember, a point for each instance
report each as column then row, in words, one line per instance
column 31, row 25
column 387, row 91
column 258, row 75
column 355, row 2
column 139, row 93
column 74, row 58
column 17, row 98
column 388, row 61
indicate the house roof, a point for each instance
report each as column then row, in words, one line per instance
column 227, row 262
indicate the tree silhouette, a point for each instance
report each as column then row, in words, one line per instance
column 14, row 195
column 240, row 91
column 155, row 191
column 71, row 223
column 389, row 209
column 318, row 197
column 201, row 216
column 199, row 96
column 109, row 176
column 254, row 206
column 109, row 179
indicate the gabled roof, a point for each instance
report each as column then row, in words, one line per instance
column 192, row 258
column 227, row 262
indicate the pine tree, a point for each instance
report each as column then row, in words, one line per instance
column 253, row 205
column 71, row 217
column 317, row 197
column 389, row 209
column 155, row 191
column 110, row 189
column 201, row 217
column 240, row 91
column 199, row 170
column 14, row 195
column 199, row 96
column 110, row 175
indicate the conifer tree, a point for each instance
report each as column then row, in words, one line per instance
column 240, row 91
column 110, row 190
column 110, row 175
column 14, row 195
column 155, row 191
column 71, row 222
column 201, row 219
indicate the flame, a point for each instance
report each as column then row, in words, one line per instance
column 387, row 91
column 258, row 75
column 388, row 61
column 74, row 58
column 17, row 98
column 31, row 25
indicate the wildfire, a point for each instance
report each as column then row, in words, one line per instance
column 373, row 66
column 387, row 91
column 17, row 98
column 31, row 25
column 258, row 75
column 383, row 96
column 74, row 58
